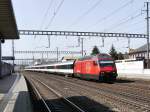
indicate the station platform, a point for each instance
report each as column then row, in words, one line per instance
column 14, row 95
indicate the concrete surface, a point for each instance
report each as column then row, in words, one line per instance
column 17, row 98
column 6, row 83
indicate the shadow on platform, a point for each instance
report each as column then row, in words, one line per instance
column 6, row 83
column 22, row 103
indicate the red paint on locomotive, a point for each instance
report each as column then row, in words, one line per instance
column 99, row 67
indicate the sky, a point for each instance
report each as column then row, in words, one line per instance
column 122, row 16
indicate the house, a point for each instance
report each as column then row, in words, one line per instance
column 140, row 52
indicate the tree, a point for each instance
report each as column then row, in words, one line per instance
column 120, row 56
column 95, row 51
column 113, row 53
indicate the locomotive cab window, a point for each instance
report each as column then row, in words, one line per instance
column 106, row 63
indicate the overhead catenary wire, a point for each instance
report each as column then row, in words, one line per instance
column 127, row 19
column 111, row 14
column 128, row 16
column 54, row 14
column 131, row 27
column 124, row 21
column 46, row 13
column 86, row 12
column 139, row 28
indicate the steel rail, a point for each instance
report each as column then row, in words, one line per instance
column 122, row 93
column 108, row 95
column 59, row 95
column 38, row 93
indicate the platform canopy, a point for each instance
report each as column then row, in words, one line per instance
column 8, row 27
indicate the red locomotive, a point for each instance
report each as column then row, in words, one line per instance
column 99, row 67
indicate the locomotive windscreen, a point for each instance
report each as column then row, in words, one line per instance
column 104, row 56
column 104, row 63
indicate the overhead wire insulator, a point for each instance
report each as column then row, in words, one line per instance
column 49, row 41
column 102, row 42
column 128, row 43
column 117, row 39
column 66, row 37
column 84, row 51
column 34, row 36
column 79, row 42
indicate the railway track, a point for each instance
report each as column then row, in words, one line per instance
column 143, row 86
column 110, row 96
column 127, row 92
column 118, row 101
column 79, row 99
column 116, row 96
column 63, row 105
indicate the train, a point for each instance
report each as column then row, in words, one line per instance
column 99, row 67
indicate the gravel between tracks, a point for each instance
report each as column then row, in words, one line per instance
column 93, row 96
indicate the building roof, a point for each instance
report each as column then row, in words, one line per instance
column 67, row 58
column 140, row 49
column 8, row 27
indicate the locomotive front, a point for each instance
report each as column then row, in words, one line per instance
column 108, row 69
